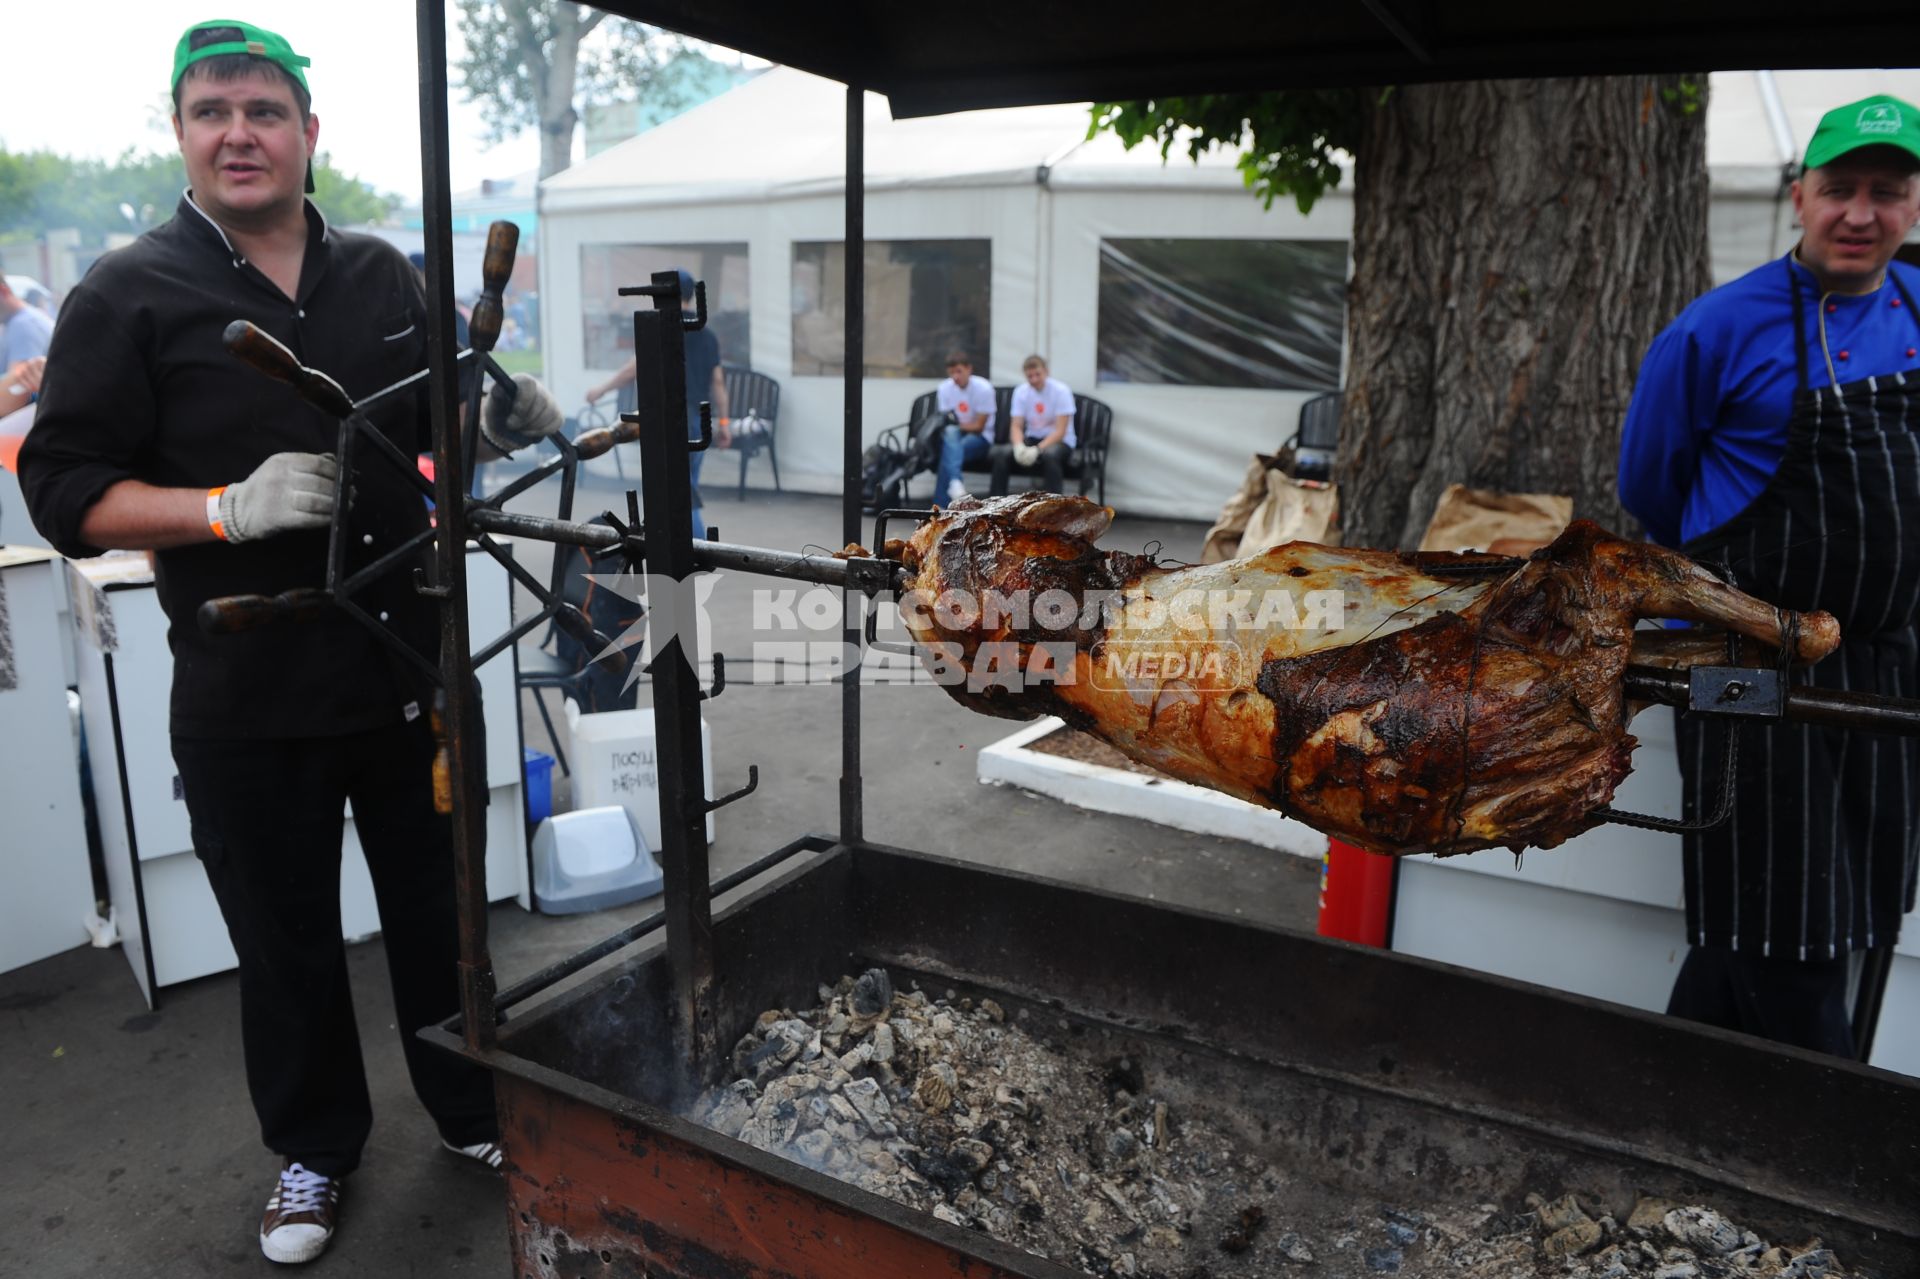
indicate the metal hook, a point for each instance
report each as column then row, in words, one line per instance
column 719, row 678
column 698, row 320
column 753, row 784
column 705, row 441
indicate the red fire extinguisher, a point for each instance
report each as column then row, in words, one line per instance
column 1356, row 894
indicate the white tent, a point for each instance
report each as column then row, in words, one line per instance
column 762, row 166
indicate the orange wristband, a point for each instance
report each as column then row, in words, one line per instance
column 213, row 513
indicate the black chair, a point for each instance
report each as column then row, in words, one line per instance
column 1317, row 437
column 756, row 395
column 1086, row 461
column 907, row 450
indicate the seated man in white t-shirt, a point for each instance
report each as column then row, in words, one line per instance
column 1040, row 429
column 970, row 400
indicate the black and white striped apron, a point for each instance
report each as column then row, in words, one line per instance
column 1817, row 857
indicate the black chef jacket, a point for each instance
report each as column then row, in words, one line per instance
column 139, row 386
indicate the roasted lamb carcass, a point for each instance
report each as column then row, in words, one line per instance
column 1401, row 702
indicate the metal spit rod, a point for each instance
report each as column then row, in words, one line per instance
column 1825, row 707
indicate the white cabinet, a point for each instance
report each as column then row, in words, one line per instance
column 168, row 917
column 46, row 889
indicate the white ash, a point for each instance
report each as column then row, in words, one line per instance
column 948, row 1106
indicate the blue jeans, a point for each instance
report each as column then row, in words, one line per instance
column 693, row 476
column 957, row 447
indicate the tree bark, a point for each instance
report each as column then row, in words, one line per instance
column 1517, row 244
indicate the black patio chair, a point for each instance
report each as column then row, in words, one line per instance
column 753, row 396
column 1317, row 437
column 902, row 452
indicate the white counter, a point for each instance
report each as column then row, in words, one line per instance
column 46, row 888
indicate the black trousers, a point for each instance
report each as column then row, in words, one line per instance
column 1790, row 1001
column 267, row 819
column 1052, row 466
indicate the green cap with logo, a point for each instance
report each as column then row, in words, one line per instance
column 211, row 39
column 1880, row 121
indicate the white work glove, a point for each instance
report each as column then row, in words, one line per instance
column 531, row 417
column 1026, row 454
column 286, row 492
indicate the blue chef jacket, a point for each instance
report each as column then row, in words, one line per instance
column 1708, row 422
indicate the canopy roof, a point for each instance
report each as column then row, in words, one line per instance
column 927, row 59
column 783, row 138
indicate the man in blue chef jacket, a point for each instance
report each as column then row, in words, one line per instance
column 1775, row 434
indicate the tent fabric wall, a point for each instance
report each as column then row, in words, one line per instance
column 762, row 164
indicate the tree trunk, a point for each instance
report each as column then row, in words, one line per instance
column 554, row 79
column 1517, row 244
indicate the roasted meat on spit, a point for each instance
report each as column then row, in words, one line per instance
column 1401, row 702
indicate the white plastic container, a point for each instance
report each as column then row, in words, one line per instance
column 591, row 859
column 613, row 761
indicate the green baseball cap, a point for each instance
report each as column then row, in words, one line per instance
column 1880, row 121
column 223, row 35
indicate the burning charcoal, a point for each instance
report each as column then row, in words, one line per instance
column 1558, row 1215
column 1704, row 1230
column 969, row 1154
column 868, row 1101
column 1401, row 1233
column 1649, row 1214
column 1573, row 1240
column 1123, row 1074
column 993, row 1011
column 883, row 1042
column 815, row 1145
column 1815, row 1263
column 1678, row 1270
column 933, row 1091
column 872, row 995
column 1010, row 1099
column 742, row 1059
column 1239, row 1236
column 1122, row 1144
column 949, row 1177
column 948, row 1215
column 1294, row 1248
column 836, row 1026
column 1384, row 1261
column 942, row 1024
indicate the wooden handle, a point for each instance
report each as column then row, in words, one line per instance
column 231, row 614
column 264, row 352
column 602, row 439
column 483, row 326
column 442, row 761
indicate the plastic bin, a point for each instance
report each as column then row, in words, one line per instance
column 612, row 754
column 539, row 772
column 591, row 859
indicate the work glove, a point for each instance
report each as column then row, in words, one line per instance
column 526, row 415
column 286, row 492
column 1026, row 454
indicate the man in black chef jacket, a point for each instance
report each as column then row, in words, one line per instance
column 151, row 436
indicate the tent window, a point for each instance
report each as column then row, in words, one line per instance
column 924, row 298
column 607, row 317
column 1267, row 314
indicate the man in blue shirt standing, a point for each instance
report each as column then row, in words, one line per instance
column 1775, row 433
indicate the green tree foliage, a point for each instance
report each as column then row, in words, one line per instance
column 1287, row 141
column 526, row 62
column 42, row 191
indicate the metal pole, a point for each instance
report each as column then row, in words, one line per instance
column 852, row 801
column 461, row 717
column 659, row 349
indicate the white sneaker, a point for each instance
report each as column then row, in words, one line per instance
column 301, row 1216
column 485, row 1152
column 955, row 491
